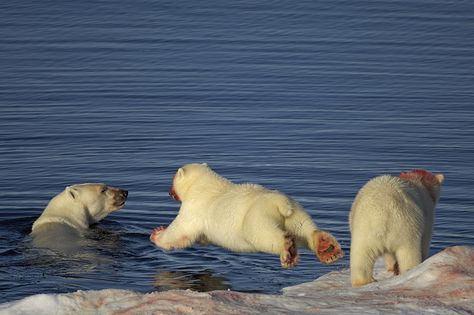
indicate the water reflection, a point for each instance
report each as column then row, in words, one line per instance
column 97, row 247
column 202, row 281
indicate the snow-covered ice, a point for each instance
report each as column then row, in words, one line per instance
column 443, row 284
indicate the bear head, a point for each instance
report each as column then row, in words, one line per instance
column 430, row 181
column 96, row 199
column 185, row 177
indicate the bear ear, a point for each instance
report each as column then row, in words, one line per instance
column 180, row 172
column 205, row 164
column 440, row 178
column 70, row 191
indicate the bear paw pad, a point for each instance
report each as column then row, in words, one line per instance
column 327, row 248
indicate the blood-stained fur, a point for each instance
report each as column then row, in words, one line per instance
column 392, row 216
column 240, row 217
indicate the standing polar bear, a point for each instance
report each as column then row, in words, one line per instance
column 392, row 216
column 72, row 210
column 240, row 217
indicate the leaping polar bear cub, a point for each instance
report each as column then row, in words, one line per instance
column 392, row 216
column 242, row 218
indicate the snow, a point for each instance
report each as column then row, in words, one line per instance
column 443, row 284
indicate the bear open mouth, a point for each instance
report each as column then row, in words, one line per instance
column 120, row 204
column 174, row 195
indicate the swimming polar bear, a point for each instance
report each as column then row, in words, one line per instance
column 240, row 217
column 392, row 216
column 73, row 210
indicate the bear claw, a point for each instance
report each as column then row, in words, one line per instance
column 156, row 233
column 289, row 256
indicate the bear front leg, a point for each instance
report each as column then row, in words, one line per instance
column 170, row 238
column 155, row 236
column 326, row 247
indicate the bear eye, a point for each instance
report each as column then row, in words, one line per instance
column 104, row 189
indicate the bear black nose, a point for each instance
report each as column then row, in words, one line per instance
column 125, row 193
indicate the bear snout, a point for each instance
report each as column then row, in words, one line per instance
column 120, row 197
column 124, row 193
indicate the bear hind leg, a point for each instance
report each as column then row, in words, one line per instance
column 326, row 247
column 289, row 255
column 269, row 237
column 391, row 263
column 362, row 263
column 408, row 257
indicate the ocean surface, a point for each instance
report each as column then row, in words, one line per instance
column 312, row 98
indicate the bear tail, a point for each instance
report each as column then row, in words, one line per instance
column 285, row 205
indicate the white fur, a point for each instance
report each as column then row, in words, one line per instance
column 74, row 209
column 392, row 217
column 239, row 217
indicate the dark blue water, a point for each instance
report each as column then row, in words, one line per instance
column 312, row 98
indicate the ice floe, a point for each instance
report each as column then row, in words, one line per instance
column 443, row 284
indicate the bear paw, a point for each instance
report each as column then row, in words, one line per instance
column 326, row 248
column 289, row 256
column 156, row 234
column 393, row 268
column 357, row 283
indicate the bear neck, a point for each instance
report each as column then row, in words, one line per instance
column 426, row 193
column 427, row 190
column 62, row 209
column 208, row 184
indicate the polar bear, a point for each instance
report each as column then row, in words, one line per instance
column 73, row 210
column 392, row 217
column 242, row 218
